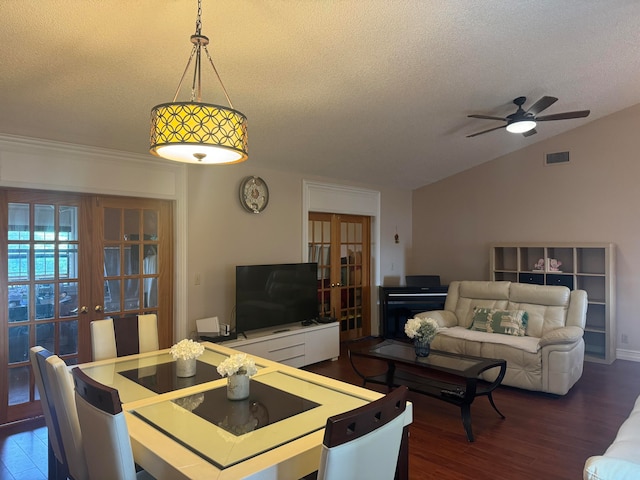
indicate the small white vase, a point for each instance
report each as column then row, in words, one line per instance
column 238, row 387
column 185, row 368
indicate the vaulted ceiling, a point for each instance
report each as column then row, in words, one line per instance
column 372, row 91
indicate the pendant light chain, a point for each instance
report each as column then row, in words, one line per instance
column 196, row 132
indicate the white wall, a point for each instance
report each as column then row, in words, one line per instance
column 517, row 198
column 221, row 234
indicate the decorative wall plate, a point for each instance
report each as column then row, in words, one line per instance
column 254, row 194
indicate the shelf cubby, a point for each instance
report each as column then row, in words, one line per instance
column 588, row 267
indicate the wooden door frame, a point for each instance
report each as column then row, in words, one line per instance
column 331, row 198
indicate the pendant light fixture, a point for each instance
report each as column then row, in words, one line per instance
column 196, row 132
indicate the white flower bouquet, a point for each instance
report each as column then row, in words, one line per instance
column 238, row 363
column 186, row 349
column 421, row 329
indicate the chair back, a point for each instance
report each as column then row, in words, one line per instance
column 364, row 443
column 107, row 446
column 128, row 335
column 65, row 405
column 103, row 339
column 38, row 357
column 148, row 332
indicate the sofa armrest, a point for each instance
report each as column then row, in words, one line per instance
column 445, row 318
column 608, row 468
column 562, row 335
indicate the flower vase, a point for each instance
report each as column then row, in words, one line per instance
column 238, row 386
column 185, row 367
column 423, row 348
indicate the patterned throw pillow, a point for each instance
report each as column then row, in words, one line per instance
column 507, row 322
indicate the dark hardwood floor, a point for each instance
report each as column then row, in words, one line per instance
column 542, row 437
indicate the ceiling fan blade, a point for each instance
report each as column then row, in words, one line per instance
column 487, row 117
column 486, row 131
column 542, row 104
column 533, row 131
column 564, row 116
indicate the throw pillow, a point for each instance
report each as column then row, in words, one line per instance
column 507, row 322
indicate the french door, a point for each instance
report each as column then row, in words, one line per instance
column 340, row 244
column 59, row 271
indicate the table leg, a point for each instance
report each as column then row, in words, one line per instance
column 391, row 371
column 494, row 405
column 465, row 410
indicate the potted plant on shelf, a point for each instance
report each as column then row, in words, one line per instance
column 185, row 353
column 238, row 369
column 423, row 331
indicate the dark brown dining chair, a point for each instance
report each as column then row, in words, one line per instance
column 369, row 442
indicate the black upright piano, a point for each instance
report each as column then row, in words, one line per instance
column 398, row 304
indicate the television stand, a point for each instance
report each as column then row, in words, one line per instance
column 293, row 344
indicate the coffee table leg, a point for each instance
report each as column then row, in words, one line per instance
column 465, row 410
column 391, row 371
column 494, row 405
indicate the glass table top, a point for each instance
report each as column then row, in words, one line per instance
column 150, row 375
column 163, row 378
column 464, row 365
column 281, row 408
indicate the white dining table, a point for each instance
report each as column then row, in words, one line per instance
column 185, row 428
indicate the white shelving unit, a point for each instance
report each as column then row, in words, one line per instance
column 587, row 266
column 293, row 344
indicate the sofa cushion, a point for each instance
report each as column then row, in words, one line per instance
column 620, row 461
column 541, row 318
column 527, row 344
column 508, row 322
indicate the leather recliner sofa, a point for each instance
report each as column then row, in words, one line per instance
column 547, row 355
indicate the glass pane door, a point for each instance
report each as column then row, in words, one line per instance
column 42, row 285
column 340, row 244
column 66, row 260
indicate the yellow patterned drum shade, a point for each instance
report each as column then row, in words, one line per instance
column 198, row 133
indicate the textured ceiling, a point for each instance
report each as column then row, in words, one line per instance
column 373, row 91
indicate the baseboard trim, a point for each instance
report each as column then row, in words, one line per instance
column 632, row 355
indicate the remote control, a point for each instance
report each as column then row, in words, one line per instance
column 457, row 393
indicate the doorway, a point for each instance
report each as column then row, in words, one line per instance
column 340, row 244
column 59, row 272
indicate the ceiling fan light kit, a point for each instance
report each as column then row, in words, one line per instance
column 197, row 132
column 521, row 126
column 525, row 122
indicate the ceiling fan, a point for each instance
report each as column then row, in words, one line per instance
column 525, row 121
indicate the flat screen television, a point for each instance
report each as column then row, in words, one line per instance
column 269, row 296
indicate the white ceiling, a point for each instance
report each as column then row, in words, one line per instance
column 373, row 91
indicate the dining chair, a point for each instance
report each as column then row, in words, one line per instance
column 107, row 445
column 117, row 337
column 57, row 462
column 365, row 443
column 103, row 339
column 148, row 332
column 65, row 406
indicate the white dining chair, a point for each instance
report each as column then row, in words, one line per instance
column 111, row 338
column 107, row 445
column 103, row 339
column 148, row 332
column 64, row 401
column 364, row 443
column 57, row 462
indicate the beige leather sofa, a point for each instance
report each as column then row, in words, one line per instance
column 621, row 461
column 548, row 355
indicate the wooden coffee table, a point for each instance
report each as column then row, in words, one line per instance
column 450, row 377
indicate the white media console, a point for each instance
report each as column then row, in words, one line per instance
column 292, row 344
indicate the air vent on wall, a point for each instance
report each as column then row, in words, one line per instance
column 556, row 158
